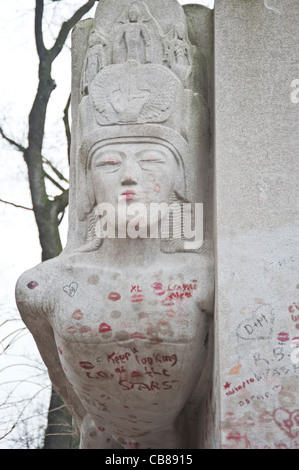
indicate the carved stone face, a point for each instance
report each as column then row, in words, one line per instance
column 133, row 172
column 134, row 14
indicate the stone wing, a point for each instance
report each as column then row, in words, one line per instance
column 158, row 103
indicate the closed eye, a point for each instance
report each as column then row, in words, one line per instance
column 108, row 163
column 151, row 160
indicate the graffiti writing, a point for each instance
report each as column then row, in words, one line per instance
column 239, row 387
column 134, row 371
column 293, row 309
column 259, row 326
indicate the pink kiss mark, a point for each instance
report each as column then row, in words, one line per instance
column 283, row 337
column 158, row 288
column 85, row 329
column 86, row 365
column 137, row 335
column 137, row 298
column 114, row 296
column 77, row 315
column 71, row 330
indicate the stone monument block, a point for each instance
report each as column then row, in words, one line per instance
column 256, row 231
column 123, row 318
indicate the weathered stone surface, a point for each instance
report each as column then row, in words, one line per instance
column 256, row 60
column 124, row 324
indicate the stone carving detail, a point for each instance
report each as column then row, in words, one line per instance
column 178, row 51
column 134, row 34
column 133, row 93
column 122, row 317
column 95, row 58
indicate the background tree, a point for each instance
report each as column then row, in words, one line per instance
column 48, row 211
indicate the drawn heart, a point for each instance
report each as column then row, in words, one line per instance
column 288, row 421
column 259, row 326
column 71, row 289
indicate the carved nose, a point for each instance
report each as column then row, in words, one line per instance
column 128, row 181
column 130, row 175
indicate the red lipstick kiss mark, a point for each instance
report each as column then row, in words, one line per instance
column 135, row 373
column 129, row 195
column 101, row 429
column 283, row 337
column 114, row 296
column 60, row 350
column 32, row 285
column 86, row 365
column 77, row 315
column 137, row 335
column 104, row 328
column 158, row 288
column 137, row 298
column 295, row 341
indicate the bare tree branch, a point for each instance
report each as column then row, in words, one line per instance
column 53, row 181
column 39, row 11
column 60, row 202
column 16, row 205
column 67, row 127
column 12, row 142
column 57, row 173
column 67, row 26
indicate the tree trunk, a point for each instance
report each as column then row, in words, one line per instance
column 59, row 433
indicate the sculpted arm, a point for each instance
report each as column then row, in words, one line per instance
column 118, row 37
column 147, row 39
column 38, row 324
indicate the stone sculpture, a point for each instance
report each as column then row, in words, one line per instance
column 123, row 322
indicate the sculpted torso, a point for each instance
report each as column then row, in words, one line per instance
column 127, row 340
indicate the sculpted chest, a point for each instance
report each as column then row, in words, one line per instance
column 143, row 333
column 109, row 306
